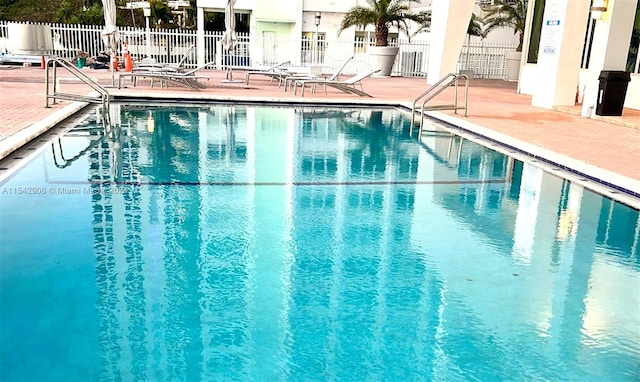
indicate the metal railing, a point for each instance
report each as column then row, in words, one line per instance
column 433, row 91
column 51, row 84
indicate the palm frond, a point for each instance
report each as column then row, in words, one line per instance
column 476, row 26
column 509, row 14
column 383, row 14
column 358, row 17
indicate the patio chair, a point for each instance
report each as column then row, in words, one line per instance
column 187, row 78
column 348, row 86
column 289, row 80
column 180, row 65
column 273, row 71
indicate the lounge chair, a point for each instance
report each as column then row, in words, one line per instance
column 289, row 80
column 180, row 65
column 273, row 71
column 348, row 86
column 187, row 78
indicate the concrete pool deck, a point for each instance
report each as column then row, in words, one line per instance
column 605, row 148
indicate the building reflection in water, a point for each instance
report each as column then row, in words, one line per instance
column 311, row 239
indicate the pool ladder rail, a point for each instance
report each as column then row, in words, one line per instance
column 51, row 84
column 437, row 88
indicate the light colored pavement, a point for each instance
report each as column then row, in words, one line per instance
column 606, row 148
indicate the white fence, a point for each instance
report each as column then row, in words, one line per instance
column 171, row 45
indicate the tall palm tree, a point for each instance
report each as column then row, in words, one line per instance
column 507, row 13
column 475, row 28
column 383, row 14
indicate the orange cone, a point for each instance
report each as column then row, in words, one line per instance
column 128, row 62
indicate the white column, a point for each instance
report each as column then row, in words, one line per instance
column 200, row 37
column 449, row 22
column 610, row 47
column 561, row 42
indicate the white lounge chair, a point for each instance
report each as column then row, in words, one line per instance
column 180, row 65
column 290, row 79
column 348, row 86
column 272, row 71
column 187, row 78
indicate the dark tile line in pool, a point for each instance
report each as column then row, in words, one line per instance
column 327, row 183
column 535, row 158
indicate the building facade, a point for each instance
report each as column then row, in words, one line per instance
column 567, row 44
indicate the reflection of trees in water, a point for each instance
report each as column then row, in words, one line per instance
column 370, row 156
column 380, row 142
column 375, row 140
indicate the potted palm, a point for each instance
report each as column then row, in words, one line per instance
column 383, row 14
column 510, row 14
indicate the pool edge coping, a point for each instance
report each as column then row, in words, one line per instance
column 14, row 142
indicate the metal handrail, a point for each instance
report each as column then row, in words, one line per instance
column 57, row 61
column 434, row 90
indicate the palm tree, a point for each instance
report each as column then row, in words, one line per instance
column 507, row 13
column 475, row 28
column 383, row 14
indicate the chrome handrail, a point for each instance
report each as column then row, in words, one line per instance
column 433, row 91
column 57, row 61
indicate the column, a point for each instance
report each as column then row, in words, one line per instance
column 450, row 19
column 561, row 42
column 610, row 47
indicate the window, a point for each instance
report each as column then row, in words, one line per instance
column 313, row 47
column 363, row 39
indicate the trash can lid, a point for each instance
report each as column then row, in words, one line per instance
column 615, row 75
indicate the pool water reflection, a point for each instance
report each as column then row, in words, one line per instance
column 261, row 243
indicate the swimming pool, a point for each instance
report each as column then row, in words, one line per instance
column 253, row 242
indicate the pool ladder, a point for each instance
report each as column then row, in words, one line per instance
column 51, row 84
column 433, row 91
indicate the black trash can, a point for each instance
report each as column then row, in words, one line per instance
column 611, row 92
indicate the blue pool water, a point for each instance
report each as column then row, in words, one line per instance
column 271, row 243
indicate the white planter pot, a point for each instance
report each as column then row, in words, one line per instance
column 383, row 58
column 513, row 65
